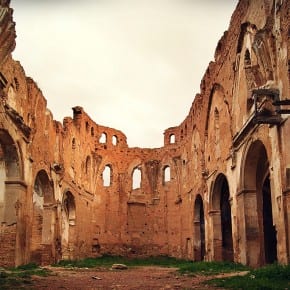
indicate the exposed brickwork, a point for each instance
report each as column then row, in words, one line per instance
column 7, row 249
column 72, row 188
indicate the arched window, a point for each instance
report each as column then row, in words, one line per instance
column 137, row 176
column 166, row 174
column 107, row 176
column 114, row 140
column 103, row 138
column 172, row 139
column 92, row 131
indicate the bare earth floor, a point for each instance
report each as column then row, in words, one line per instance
column 132, row 278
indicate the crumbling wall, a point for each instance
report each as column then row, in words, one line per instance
column 217, row 190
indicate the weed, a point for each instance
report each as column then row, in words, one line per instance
column 15, row 278
column 211, row 268
column 269, row 277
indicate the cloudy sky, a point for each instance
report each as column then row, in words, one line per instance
column 134, row 65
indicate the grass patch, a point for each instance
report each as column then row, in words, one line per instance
column 266, row 278
column 108, row 261
column 211, row 268
column 184, row 266
column 19, row 277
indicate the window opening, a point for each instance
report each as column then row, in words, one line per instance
column 107, row 176
column 137, row 178
column 166, row 174
column 172, row 139
column 114, row 140
column 103, row 138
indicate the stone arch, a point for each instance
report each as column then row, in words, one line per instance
column 199, row 229
column 260, row 233
column 12, row 192
column 221, row 219
column 68, row 225
column 43, row 220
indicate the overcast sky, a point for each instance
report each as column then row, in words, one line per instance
column 134, row 65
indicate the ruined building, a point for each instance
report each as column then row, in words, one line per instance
column 219, row 188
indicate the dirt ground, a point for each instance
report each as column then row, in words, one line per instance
column 132, row 278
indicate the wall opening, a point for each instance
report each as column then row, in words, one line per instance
column 114, row 140
column 260, row 233
column 166, row 174
column 137, row 177
column 172, row 139
column 11, row 197
column 107, row 176
column 226, row 222
column 270, row 240
column 103, row 138
column 43, row 230
column 222, row 220
column 199, row 230
column 68, row 225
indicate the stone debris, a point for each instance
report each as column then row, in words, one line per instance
column 119, row 267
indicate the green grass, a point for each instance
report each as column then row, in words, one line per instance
column 184, row 266
column 107, row 261
column 19, row 277
column 211, row 268
column 269, row 277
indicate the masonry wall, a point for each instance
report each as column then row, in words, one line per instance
column 217, row 190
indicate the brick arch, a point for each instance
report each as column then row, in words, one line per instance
column 42, row 243
column 12, row 198
column 260, row 244
column 68, row 212
column 221, row 218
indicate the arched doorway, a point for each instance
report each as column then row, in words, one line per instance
column 260, row 233
column 222, row 220
column 43, row 223
column 199, row 230
column 12, row 193
column 68, row 225
column 270, row 240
